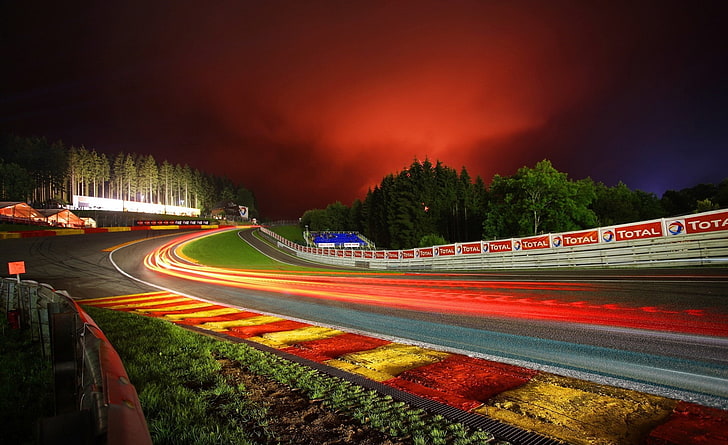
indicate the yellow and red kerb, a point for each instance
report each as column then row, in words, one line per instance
column 568, row 409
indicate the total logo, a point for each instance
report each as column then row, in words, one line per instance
column 556, row 241
column 608, row 236
column 459, row 249
column 485, row 247
column 517, row 245
column 675, row 227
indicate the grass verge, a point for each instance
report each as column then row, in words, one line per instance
column 291, row 233
column 187, row 399
column 226, row 249
column 26, row 385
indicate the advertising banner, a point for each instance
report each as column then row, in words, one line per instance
column 470, row 248
column 638, row 231
column 532, row 243
column 393, row 255
column 575, row 238
column 711, row 222
column 500, row 246
column 368, row 254
column 379, row 255
column 445, row 250
column 427, row 252
column 408, row 254
column 358, row 254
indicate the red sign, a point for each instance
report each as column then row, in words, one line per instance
column 368, row 254
column 535, row 242
column 379, row 255
column 427, row 252
column 446, row 250
column 408, row 254
column 392, row 255
column 580, row 238
column 638, row 231
column 348, row 253
column 16, row 267
column 707, row 223
column 358, row 254
column 470, row 248
column 500, row 246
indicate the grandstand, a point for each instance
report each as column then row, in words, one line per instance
column 338, row 240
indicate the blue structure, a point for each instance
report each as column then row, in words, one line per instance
column 338, row 240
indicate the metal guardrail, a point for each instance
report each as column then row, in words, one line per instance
column 95, row 403
column 694, row 240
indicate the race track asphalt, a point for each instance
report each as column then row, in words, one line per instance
column 680, row 365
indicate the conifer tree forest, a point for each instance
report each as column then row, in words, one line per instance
column 46, row 174
column 429, row 204
column 424, row 204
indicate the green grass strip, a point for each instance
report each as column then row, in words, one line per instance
column 187, row 401
column 291, row 233
column 226, row 249
column 26, row 385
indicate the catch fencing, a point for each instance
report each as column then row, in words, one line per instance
column 693, row 240
column 94, row 400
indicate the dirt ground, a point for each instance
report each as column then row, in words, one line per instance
column 295, row 419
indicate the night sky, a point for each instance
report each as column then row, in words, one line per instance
column 310, row 102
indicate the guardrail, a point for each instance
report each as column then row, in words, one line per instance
column 94, row 399
column 694, row 240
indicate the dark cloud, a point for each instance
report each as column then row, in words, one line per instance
column 307, row 103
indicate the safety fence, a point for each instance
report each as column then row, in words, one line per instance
column 694, row 240
column 94, row 399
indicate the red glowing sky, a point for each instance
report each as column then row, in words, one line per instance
column 307, row 103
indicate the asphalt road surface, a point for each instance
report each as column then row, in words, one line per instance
column 688, row 366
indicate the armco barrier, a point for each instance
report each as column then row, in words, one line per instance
column 692, row 240
column 94, row 400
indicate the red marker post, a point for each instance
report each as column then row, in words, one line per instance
column 16, row 268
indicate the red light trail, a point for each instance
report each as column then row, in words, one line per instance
column 528, row 300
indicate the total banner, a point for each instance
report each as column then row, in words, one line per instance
column 469, row 248
column 534, row 242
column 500, row 246
column 575, row 238
column 408, row 254
column 707, row 222
column 645, row 230
column 445, row 250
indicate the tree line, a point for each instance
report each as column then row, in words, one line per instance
column 428, row 204
column 46, row 174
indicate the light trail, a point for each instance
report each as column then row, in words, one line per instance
column 534, row 300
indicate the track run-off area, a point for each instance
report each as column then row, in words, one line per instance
column 571, row 355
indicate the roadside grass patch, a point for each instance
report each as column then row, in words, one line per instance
column 188, row 397
column 290, row 232
column 226, row 249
